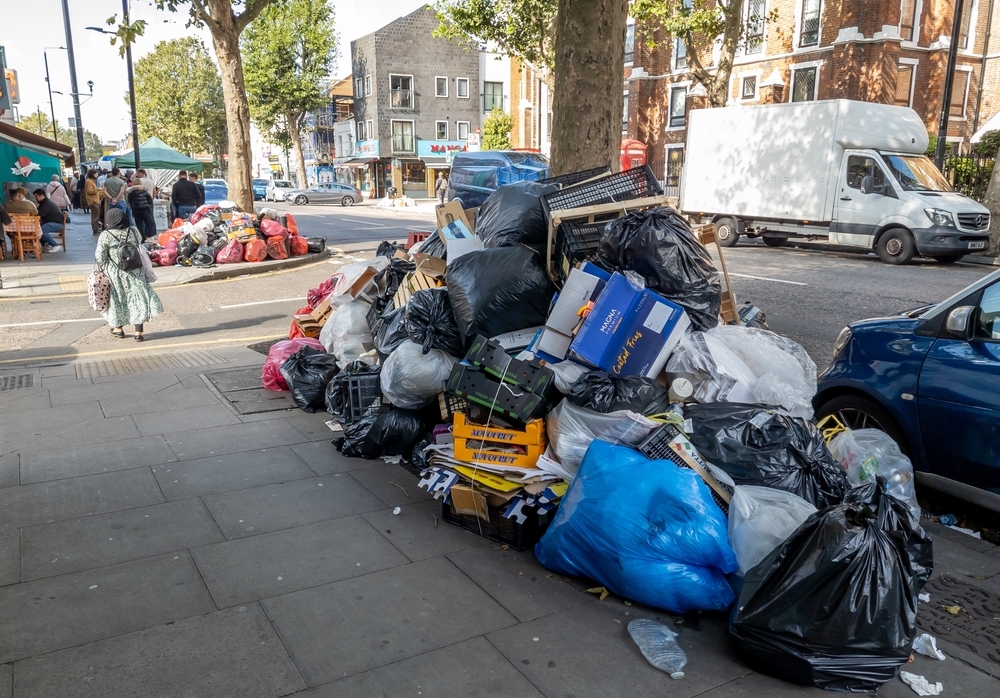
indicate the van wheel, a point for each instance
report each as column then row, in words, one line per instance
column 727, row 232
column 896, row 246
column 948, row 258
column 772, row 241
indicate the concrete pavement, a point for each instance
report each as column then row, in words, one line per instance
column 156, row 542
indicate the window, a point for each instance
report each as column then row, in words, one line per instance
column 629, row 43
column 401, row 91
column 370, row 129
column 749, row 89
column 904, row 85
column 440, row 87
column 462, row 127
column 492, row 96
column 753, row 18
column 359, row 87
column 988, row 320
column 859, row 167
column 908, row 19
column 963, row 30
column 809, row 34
column 680, row 55
column 361, row 130
column 625, row 112
column 441, row 130
column 804, row 84
column 677, row 98
column 462, row 87
column 368, row 84
column 959, row 87
column 402, row 136
column 675, row 160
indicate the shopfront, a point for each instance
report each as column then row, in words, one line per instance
column 362, row 169
column 29, row 160
column 436, row 157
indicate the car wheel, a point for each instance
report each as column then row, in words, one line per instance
column 347, row 201
column 948, row 258
column 896, row 246
column 727, row 232
column 301, row 200
column 772, row 241
column 857, row 411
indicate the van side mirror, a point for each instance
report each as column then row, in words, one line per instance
column 959, row 322
column 867, row 184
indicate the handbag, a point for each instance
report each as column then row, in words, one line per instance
column 98, row 290
column 128, row 254
column 147, row 264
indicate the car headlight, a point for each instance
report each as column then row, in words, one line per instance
column 842, row 340
column 940, row 217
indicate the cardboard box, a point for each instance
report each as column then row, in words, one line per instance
column 464, row 500
column 430, row 266
column 585, row 283
column 311, row 323
column 629, row 332
column 451, row 212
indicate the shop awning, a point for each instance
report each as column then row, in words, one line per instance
column 436, row 163
column 358, row 162
column 38, row 150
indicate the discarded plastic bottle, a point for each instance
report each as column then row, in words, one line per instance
column 948, row 519
column 658, row 645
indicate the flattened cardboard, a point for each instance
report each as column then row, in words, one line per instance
column 466, row 501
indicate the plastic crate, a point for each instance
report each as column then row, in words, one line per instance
column 637, row 183
column 518, row 173
column 657, row 446
column 575, row 243
column 365, row 395
column 568, row 180
column 508, row 531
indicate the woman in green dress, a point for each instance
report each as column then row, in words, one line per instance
column 133, row 300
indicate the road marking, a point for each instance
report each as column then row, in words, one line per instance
column 235, row 341
column 276, row 300
column 52, row 322
column 374, row 225
column 767, row 278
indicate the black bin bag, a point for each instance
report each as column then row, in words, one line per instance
column 659, row 245
column 835, row 605
column 498, row 290
column 308, row 372
column 388, row 331
column 338, row 396
column 756, row 445
column 430, row 322
column 394, row 433
column 513, row 215
column 601, row 392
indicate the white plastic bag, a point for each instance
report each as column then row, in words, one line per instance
column 715, row 372
column 346, row 334
column 868, row 453
column 410, row 378
column 566, row 374
column 571, row 429
column 761, row 519
column 348, row 274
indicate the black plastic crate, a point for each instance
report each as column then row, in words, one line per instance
column 489, row 356
column 365, row 395
column 568, row 180
column 503, row 530
column 657, row 447
column 503, row 401
column 575, row 243
column 637, row 183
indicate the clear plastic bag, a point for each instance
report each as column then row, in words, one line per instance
column 715, row 372
column 410, row 378
column 761, row 519
column 346, row 335
column 868, row 453
column 571, row 429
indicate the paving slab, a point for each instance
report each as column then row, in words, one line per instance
column 518, row 582
column 226, row 653
column 391, row 484
column 414, row 532
column 10, row 470
column 233, row 438
column 470, row 668
column 312, row 425
column 276, row 507
column 324, row 458
column 47, row 464
column 51, row 614
column 254, row 568
column 230, row 472
column 13, row 401
column 586, row 651
column 52, row 437
column 177, row 420
column 123, row 389
column 6, row 681
column 59, row 500
column 48, row 550
column 10, row 557
column 65, row 379
column 381, row 618
column 177, row 398
column 959, row 560
column 47, row 419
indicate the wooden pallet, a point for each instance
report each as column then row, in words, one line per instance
column 728, row 310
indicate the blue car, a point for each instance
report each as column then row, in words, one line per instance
column 259, row 187
column 930, row 379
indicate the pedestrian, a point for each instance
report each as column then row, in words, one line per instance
column 18, row 203
column 201, row 188
column 74, row 190
column 184, row 196
column 141, row 204
column 52, row 219
column 101, row 177
column 92, row 200
column 440, row 187
column 147, row 183
column 133, row 301
column 56, row 192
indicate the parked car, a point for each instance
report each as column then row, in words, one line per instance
column 473, row 175
column 276, row 189
column 930, row 379
column 326, row 193
column 216, row 190
column 259, row 186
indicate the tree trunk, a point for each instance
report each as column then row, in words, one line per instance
column 992, row 202
column 587, row 100
column 300, row 162
column 226, row 41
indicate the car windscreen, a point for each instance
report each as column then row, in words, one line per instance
column 216, row 192
column 916, row 173
column 260, row 182
column 282, row 184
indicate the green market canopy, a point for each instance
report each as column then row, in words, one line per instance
column 157, row 155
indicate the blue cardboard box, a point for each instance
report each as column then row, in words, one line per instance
column 630, row 332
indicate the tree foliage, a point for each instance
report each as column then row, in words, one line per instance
column 39, row 123
column 988, row 145
column 178, row 97
column 496, row 130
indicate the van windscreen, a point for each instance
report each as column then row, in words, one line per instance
column 916, row 173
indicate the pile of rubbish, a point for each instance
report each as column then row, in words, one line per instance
column 221, row 234
column 613, row 407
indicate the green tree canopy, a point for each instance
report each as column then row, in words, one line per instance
column 178, row 97
column 496, row 130
column 288, row 53
column 39, row 123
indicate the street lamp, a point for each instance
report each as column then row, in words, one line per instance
column 48, row 83
column 131, row 83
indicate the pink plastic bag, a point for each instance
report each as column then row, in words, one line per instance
column 318, row 295
column 232, row 253
column 272, row 228
column 270, row 375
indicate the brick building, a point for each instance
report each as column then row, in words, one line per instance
column 889, row 51
column 530, row 109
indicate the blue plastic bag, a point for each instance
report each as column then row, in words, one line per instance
column 646, row 530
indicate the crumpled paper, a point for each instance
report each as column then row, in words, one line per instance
column 920, row 685
column 926, row 645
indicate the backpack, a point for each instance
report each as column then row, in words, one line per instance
column 128, row 254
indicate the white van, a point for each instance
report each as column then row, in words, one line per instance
column 852, row 172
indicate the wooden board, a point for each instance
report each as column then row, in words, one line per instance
column 728, row 310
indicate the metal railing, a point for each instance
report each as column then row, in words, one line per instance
column 401, row 99
column 969, row 174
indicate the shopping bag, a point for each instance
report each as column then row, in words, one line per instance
column 98, row 290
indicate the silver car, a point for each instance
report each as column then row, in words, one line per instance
column 326, row 193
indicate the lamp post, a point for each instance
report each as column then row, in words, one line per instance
column 72, row 81
column 48, row 83
column 131, row 83
column 949, row 78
